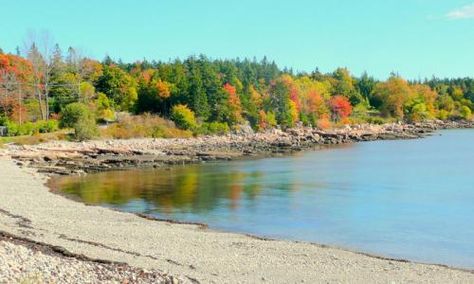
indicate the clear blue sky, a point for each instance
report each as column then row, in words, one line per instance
column 415, row 38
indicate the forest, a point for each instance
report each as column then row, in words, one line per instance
column 42, row 90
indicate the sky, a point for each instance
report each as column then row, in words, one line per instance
column 414, row 38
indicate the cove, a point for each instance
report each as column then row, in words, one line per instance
column 410, row 199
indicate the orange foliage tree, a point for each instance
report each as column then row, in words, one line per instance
column 234, row 105
column 392, row 95
column 163, row 89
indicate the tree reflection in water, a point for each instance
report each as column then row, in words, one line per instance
column 192, row 188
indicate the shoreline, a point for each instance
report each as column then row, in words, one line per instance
column 205, row 226
column 189, row 251
column 215, row 256
column 69, row 158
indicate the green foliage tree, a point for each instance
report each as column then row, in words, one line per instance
column 280, row 103
column 365, row 86
column 344, row 85
column 197, row 98
column 119, row 87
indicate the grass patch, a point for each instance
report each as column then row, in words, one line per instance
column 142, row 126
column 36, row 138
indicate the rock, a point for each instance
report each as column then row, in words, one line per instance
column 244, row 129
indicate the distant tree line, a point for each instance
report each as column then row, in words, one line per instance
column 202, row 93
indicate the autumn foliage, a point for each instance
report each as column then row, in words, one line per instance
column 234, row 105
column 215, row 96
column 341, row 107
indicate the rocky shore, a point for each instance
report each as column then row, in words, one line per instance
column 61, row 157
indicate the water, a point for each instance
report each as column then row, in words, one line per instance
column 410, row 199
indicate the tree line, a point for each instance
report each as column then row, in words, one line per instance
column 211, row 95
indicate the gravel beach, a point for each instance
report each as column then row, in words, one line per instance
column 191, row 253
column 25, row 262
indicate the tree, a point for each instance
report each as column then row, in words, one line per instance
column 341, row 107
column 344, row 85
column 15, row 81
column 252, row 102
column 91, row 70
column 64, row 89
column 81, row 118
column 365, row 86
column 196, row 95
column 445, row 102
column 427, row 96
column 416, row 110
column 233, row 103
column 391, row 96
column 262, row 120
column 313, row 96
column 119, row 87
column 41, row 57
column 154, row 96
column 279, row 101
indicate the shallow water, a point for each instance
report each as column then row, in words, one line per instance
column 411, row 199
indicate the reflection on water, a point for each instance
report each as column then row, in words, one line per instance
column 193, row 188
column 408, row 199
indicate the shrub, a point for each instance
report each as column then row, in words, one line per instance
column 219, row 127
column 443, row 114
column 324, row 122
column 3, row 121
column 48, row 126
column 30, row 128
column 85, row 128
column 79, row 117
column 465, row 112
column 104, row 111
column 72, row 113
column 183, row 117
column 214, row 128
column 376, row 120
column 271, row 119
column 13, row 128
column 305, row 119
column 106, row 115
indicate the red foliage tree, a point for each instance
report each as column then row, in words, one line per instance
column 341, row 107
column 15, row 73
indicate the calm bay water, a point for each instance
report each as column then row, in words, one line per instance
column 411, row 199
